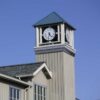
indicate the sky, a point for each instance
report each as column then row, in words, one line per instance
column 17, row 37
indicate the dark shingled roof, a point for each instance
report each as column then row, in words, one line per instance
column 21, row 69
column 52, row 18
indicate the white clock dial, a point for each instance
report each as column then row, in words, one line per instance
column 49, row 34
column 67, row 36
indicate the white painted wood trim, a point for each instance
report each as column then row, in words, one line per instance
column 40, row 68
column 37, row 71
column 58, row 28
column 14, row 79
column 37, row 36
column 62, row 34
column 54, row 48
column 40, row 35
column 26, row 75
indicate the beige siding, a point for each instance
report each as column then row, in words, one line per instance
column 30, row 93
column 39, row 79
column 22, row 94
column 62, row 66
column 4, row 91
column 54, row 62
column 69, row 76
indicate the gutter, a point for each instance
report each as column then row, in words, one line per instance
column 23, row 76
column 13, row 79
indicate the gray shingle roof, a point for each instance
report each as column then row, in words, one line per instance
column 21, row 69
column 52, row 18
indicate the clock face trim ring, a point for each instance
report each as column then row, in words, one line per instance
column 49, row 34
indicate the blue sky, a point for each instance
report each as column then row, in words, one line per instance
column 17, row 37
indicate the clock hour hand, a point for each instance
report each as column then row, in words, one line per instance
column 50, row 34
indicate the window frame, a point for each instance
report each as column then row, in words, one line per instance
column 14, row 96
column 39, row 94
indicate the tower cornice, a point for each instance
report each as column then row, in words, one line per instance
column 55, row 48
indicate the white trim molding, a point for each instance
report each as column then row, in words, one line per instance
column 13, row 79
column 55, row 48
column 42, row 67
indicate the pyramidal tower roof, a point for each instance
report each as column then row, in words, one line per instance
column 52, row 18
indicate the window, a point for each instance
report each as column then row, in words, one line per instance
column 39, row 92
column 14, row 93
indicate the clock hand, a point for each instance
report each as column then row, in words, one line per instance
column 50, row 34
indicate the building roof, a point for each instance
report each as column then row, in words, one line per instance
column 11, row 79
column 21, row 69
column 25, row 70
column 52, row 18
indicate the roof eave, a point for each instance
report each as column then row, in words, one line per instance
column 70, row 26
column 38, row 25
column 54, row 24
column 14, row 79
column 49, row 73
column 23, row 76
column 42, row 67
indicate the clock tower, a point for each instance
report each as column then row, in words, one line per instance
column 55, row 46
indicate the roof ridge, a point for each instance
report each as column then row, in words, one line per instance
column 59, row 16
column 21, row 64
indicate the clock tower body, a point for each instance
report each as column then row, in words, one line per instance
column 58, row 53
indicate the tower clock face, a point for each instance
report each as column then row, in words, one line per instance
column 49, row 34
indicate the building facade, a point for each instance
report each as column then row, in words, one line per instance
column 52, row 76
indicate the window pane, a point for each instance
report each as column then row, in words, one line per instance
column 14, row 93
column 35, row 88
column 44, row 98
column 10, row 92
column 39, row 92
column 39, row 89
column 44, row 92
column 17, row 94
column 36, row 92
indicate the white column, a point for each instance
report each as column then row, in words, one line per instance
column 62, row 33
column 72, row 38
column 26, row 93
column 58, row 28
column 40, row 35
column 37, row 36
